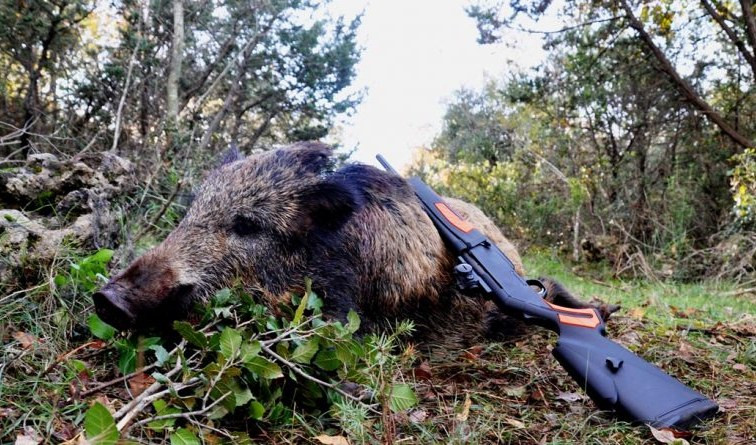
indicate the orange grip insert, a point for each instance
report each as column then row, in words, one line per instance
column 584, row 318
column 453, row 218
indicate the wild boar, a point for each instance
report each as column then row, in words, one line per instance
column 272, row 219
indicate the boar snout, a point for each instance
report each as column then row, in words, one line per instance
column 113, row 308
column 149, row 292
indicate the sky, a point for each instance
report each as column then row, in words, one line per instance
column 416, row 53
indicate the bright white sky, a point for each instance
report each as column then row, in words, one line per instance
column 416, row 54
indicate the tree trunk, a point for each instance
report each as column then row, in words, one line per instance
column 174, row 73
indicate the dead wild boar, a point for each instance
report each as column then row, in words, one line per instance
column 272, row 219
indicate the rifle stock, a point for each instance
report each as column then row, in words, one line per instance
column 615, row 378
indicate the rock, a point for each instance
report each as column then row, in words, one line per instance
column 54, row 204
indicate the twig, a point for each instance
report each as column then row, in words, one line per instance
column 152, row 388
column 299, row 371
column 132, row 62
column 116, row 380
column 198, row 412
column 138, row 407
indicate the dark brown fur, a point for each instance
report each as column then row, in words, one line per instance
column 275, row 218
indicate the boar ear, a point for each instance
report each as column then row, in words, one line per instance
column 312, row 156
column 232, row 154
column 330, row 203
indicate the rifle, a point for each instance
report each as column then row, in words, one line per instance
column 615, row 378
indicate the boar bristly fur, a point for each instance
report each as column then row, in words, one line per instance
column 273, row 219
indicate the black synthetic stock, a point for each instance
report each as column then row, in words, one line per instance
column 615, row 378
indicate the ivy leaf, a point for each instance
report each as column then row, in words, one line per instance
column 305, row 352
column 189, row 334
column 99, row 328
column 402, row 398
column 99, row 426
column 230, row 342
column 264, row 368
column 183, row 436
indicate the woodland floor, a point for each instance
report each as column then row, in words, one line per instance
column 704, row 334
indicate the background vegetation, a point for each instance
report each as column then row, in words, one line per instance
column 624, row 167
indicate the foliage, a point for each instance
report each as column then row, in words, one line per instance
column 247, row 73
column 242, row 362
column 743, row 182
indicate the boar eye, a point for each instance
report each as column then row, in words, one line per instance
column 244, row 226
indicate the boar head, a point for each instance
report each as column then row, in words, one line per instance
column 255, row 219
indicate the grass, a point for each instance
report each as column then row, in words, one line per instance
column 513, row 392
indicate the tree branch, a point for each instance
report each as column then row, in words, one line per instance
column 750, row 23
column 734, row 38
column 685, row 88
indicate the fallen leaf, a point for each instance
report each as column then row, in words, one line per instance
column 515, row 423
column 418, row 416
column 28, row 437
column 78, row 440
column 465, row 413
column 332, row 440
column 515, row 391
column 423, row 371
column 665, row 435
column 569, row 396
column 739, row 367
column 26, row 340
column 139, row 383
column 686, row 351
column 473, row 353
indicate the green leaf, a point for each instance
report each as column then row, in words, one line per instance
column 101, row 256
column 242, row 396
column 222, row 297
column 264, row 368
column 189, row 334
column 162, row 408
column 305, row 352
column 353, row 322
column 160, row 354
column 99, row 328
column 183, row 436
column 250, row 350
column 256, row 410
column 99, row 426
column 402, row 398
column 302, row 304
column 327, row 360
column 230, row 342
column 127, row 358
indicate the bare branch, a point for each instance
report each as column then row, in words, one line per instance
column 734, row 38
column 686, row 89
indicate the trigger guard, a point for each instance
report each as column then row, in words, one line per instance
column 539, row 285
